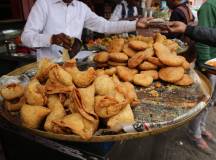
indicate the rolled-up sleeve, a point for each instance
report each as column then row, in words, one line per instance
column 101, row 25
column 33, row 35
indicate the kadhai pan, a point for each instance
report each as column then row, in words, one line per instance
column 102, row 138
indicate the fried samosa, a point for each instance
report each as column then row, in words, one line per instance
column 12, row 91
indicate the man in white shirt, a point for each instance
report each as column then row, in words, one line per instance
column 52, row 22
column 126, row 10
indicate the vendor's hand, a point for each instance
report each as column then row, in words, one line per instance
column 177, row 27
column 61, row 40
column 143, row 22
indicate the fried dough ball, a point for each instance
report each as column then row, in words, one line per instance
column 101, row 57
column 111, row 63
column 171, row 74
column 104, row 86
column 138, row 45
column 106, row 106
column 185, row 81
column 152, row 73
column 147, row 66
column 32, row 116
column 35, row 93
column 14, row 105
column 12, row 91
column 118, row 57
column 123, row 118
column 166, row 57
column 155, row 60
column 143, row 80
column 125, row 74
column 110, row 71
column 116, row 45
column 128, row 51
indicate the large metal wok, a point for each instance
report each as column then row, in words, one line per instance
column 199, row 102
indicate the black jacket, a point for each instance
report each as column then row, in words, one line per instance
column 202, row 34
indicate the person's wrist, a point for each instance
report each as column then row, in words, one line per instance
column 189, row 30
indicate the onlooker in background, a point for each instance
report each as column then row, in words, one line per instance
column 126, row 10
column 206, row 18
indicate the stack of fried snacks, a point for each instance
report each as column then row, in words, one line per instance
column 141, row 60
column 65, row 100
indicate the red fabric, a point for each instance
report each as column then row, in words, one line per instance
column 27, row 5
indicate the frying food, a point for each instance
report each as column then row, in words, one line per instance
column 185, row 81
column 138, row 45
column 104, row 86
column 171, row 74
column 128, row 51
column 125, row 74
column 32, row 116
column 116, row 45
column 57, row 112
column 166, row 57
column 143, row 80
column 123, row 118
column 101, row 57
column 15, row 104
column 81, row 79
column 118, row 57
column 147, row 66
column 152, row 73
column 77, row 124
column 35, row 93
column 12, row 91
column 106, row 106
column 110, row 71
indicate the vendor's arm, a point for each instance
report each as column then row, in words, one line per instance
column 101, row 25
column 33, row 35
column 117, row 13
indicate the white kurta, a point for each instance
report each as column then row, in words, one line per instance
column 49, row 17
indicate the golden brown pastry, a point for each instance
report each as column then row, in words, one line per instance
column 101, row 57
column 110, row 71
column 138, row 45
column 44, row 66
column 147, row 66
column 128, row 51
column 32, row 116
column 59, row 75
column 35, row 93
column 81, row 79
column 171, row 74
column 123, row 118
column 77, row 124
column 172, row 45
column 116, row 45
column 88, row 96
column 111, row 63
column 160, row 38
column 138, row 58
column 185, row 64
column 152, row 73
column 104, row 86
column 106, row 106
column 14, row 105
column 185, row 81
column 12, row 91
column 57, row 112
column 125, row 74
column 143, row 80
column 166, row 57
column 118, row 57
column 100, row 72
column 56, row 87
column 155, row 61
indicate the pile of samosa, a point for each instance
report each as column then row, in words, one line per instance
column 65, row 100
column 141, row 60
